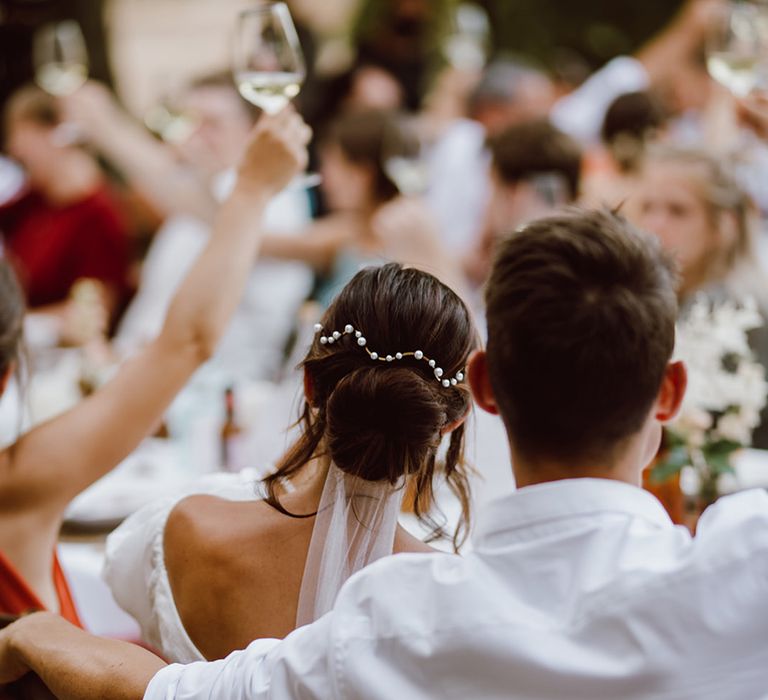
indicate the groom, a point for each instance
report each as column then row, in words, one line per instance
column 578, row 586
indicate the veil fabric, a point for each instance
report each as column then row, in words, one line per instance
column 354, row 526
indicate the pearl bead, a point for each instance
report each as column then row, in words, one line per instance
column 361, row 341
column 374, row 356
column 348, row 328
column 453, row 382
column 438, row 373
column 418, row 355
column 460, row 375
column 398, row 356
column 318, row 327
column 331, row 340
column 432, row 363
column 390, row 358
column 323, row 340
column 446, row 383
column 358, row 334
column 336, row 335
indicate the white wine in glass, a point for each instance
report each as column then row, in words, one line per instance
column 60, row 58
column 268, row 63
column 736, row 48
column 269, row 91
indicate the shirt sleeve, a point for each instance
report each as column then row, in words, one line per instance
column 581, row 114
column 300, row 666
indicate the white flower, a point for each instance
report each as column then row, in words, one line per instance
column 708, row 336
column 732, row 426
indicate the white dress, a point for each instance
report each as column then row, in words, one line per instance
column 134, row 567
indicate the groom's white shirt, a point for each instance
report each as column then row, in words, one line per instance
column 577, row 589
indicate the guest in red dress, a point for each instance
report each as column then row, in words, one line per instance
column 64, row 226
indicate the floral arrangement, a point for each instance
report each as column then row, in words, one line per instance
column 726, row 392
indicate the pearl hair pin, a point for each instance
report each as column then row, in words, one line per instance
column 335, row 336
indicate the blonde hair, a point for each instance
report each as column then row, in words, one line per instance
column 734, row 263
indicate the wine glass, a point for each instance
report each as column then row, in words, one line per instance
column 268, row 63
column 403, row 154
column 467, row 44
column 60, row 57
column 736, row 48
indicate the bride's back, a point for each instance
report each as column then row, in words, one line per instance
column 235, row 567
column 384, row 387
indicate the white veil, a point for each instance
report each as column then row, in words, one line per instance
column 354, row 526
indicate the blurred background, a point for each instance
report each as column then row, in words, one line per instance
column 136, row 44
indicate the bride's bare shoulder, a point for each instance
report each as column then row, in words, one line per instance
column 206, row 522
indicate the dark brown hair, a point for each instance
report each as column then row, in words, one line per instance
column 536, row 148
column 382, row 420
column 360, row 136
column 581, row 313
column 12, row 308
column 630, row 122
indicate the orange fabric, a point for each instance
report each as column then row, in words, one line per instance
column 17, row 598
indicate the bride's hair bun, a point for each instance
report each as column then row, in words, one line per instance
column 383, row 422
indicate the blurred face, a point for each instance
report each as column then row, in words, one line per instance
column 31, row 144
column 223, row 125
column 668, row 204
column 346, row 185
column 374, row 88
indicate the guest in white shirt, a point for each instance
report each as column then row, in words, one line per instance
column 579, row 585
column 254, row 344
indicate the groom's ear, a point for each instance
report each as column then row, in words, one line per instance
column 480, row 382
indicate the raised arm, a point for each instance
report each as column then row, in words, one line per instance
column 150, row 166
column 50, row 464
column 77, row 666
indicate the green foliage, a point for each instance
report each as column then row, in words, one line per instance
column 595, row 30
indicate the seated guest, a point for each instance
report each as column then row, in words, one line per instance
column 49, row 465
column 368, row 220
column 535, row 169
column 702, row 215
column 579, row 585
column 65, row 225
column 189, row 571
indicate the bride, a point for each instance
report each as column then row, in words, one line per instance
column 383, row 383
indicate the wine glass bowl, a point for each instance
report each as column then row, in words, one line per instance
column 403, row 154
column 60, row 58
column 736, row 48
column 268, row 63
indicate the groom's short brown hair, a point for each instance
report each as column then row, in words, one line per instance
column 581, row 312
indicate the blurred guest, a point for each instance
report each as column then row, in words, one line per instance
column 701, row 214
column 535, row 170
column 64, row 226
column 255, row 341
column 369, row 221
column 610, row 170
column 511, row 92
column 400, row 35
column 508, row 93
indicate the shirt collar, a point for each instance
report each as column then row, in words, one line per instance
column 567, row 498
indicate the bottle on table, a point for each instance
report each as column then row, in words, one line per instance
column 232, row 436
